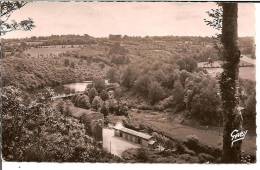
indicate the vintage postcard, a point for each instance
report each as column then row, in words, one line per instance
column 128, row 82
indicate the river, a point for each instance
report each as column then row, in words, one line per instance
column 77, row 87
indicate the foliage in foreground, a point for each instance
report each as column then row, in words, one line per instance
column 39, row 132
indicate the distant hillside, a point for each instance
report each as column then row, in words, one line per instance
column 29, row 72
column 48, row 61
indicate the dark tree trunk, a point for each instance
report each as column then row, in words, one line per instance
column 229, row 83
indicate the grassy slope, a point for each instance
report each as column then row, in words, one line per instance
column 171, row 127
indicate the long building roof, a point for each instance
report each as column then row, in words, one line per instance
column 132, row 132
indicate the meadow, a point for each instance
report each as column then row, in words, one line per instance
column 246, row 73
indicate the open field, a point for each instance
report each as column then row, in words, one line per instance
column 54, row 50
column 244, row 72
column 170, row 126
column 247, row 73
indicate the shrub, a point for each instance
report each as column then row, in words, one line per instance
column 155, row 93
column 66, row 62
column 118, row 93
column 250, row 110
column 88, row 87
column 142, row 85
column 144, row 107
column 167, row 76
column 97, row 103
column 104, row 109
column 99, row 84
column 76, row 100
column 122, row 110
column 102, row 65
column 116, row 48
column 192, row 140
column 112, row 105
column 187, row 63
column 104, row 95
column 72, row 65
column 204, row 107
column 178, row 96
column 84, row 102
column 113, row 75
column 183, row 76
column 159, row 107
column 96, row 128
column 119, row 59
column 159, row 76
column 141, row 155
column 45, row 94
column 67, row 108
column 92, row 94
column 64, row 107
column 129, row 76
column 60, row 106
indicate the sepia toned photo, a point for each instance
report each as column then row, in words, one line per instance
column 128, row 82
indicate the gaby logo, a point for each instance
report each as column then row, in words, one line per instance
column 237, row 135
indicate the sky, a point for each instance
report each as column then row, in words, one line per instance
column 99, row 19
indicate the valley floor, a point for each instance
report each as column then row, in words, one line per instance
column 170, row 126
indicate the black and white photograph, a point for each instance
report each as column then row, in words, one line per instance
column 128, row 82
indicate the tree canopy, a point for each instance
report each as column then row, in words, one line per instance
column 7, row 8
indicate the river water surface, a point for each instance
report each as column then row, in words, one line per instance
column 77, row 87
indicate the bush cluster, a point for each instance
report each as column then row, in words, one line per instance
column 39, row 132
